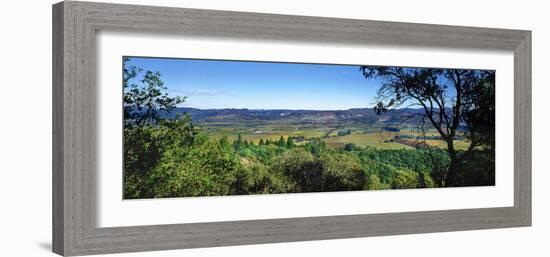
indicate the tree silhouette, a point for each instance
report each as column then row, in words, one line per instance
column 452, row 100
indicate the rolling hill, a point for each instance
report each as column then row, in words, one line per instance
column 251, row 116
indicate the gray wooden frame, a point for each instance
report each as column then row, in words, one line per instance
column 74, row 129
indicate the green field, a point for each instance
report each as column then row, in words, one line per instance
column 361, row 136
column 377, row 140
column 255, row 134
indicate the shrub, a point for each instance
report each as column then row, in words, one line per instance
column 342, row 172
column 373, row 183
column 207, row 168
column 302, row 167
column 255, row 178
column 405, row 179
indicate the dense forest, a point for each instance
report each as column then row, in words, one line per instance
column 176, row 158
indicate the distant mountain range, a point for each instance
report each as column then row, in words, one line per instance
column 245, row 116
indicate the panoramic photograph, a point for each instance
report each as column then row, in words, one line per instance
column 195, row 127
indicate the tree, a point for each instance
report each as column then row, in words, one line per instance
column 303, row 168
column 344, row 132
column 373, row 183
column 451, row 99
column 224, row 141
column 130, row 72
column 261, row 142
column 289, row 142
column 146, row 148
column 404, row 179
column 281, row 142
column 204, row 168
column 350, row 147
column 146, row 134
column 237, row 143
column 144, row 101
column 255, row 178
column 342, row 172
column 316, row 146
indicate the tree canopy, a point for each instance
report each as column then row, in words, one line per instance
column 145, row 98
column 452, row 100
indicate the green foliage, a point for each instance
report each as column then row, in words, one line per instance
column 316, row 146
column 238, row 143
column 373, row 183
column 344, row 132
column 342, row 172
column 145, row 98
column 142, row 152
column 255, row 178
column 289, row 142
column 145, row 148
column 329, row 172
column 281, row 142
column 478, row 169
column 206, row 168
column 172, row 158
column 469, row 107
column 405, row 179
column 351, row 147
column 303, row 168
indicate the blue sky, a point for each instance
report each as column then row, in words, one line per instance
column 213, row 84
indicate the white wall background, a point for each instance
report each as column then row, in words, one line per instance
column 25, row 127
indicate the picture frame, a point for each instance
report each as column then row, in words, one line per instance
column 75, row 25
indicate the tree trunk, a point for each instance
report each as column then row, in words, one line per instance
column 451, row 177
